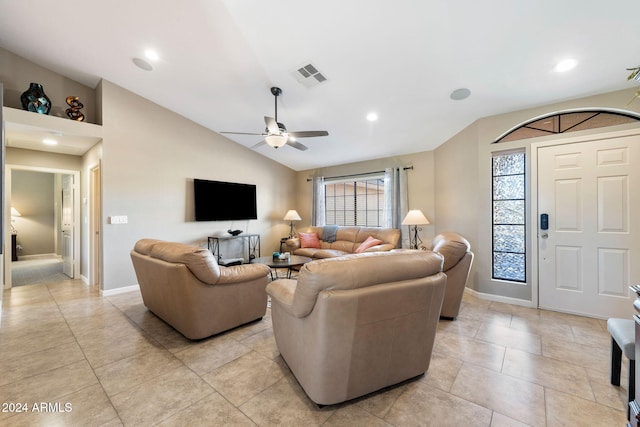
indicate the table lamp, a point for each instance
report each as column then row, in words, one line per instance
column 14, row 214
column 414, row 218
column 291, row 216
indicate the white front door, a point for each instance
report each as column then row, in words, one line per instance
column 67, row 225
column 589, row 255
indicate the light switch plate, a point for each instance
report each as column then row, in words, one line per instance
column 118, row 219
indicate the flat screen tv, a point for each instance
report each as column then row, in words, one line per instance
column 224, row 201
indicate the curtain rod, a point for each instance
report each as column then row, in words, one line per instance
column 359, row 174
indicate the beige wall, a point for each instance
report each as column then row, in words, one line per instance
column 150, row 156
column 16, row 73
column 32, row 194
column 456, row 205
column 420, row 183
column 42, row 159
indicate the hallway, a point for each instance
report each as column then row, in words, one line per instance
column 37, row 270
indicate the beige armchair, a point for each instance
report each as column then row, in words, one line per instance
column 185, row 287
column 458, row 258
column 355, row 324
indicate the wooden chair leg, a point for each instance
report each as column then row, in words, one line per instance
column 616, row 361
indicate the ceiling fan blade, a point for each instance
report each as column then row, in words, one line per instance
column 272, row 125
column 259, row 144
column 308, row 133
column 297, row 145
column 243, row 133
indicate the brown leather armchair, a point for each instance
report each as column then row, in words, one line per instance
column 458, row 258
column 185, row 287
column 355, row 324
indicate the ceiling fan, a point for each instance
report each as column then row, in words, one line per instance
column 276, row 134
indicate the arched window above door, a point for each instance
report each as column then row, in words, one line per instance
column 560, row 123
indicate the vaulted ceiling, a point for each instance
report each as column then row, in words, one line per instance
column 401, row 59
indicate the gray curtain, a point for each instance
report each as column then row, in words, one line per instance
column 396, row 201
column 317, row 204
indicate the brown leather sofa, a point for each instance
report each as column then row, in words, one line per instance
column 347, row 240
column 185, row 287
column 352, row 325
column 458, row 259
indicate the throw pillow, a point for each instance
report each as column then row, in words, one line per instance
column 309, row 240
column 329, row 233
column 367, row 244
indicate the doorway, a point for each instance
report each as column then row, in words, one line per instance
column 45, row 234
column 588, row 190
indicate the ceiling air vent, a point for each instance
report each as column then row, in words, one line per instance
column 309, row 75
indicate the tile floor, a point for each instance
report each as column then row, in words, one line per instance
column 108, row 361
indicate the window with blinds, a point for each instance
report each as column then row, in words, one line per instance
column 357, row 202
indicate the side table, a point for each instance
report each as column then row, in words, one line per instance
column 14, row 247
column 251, row 241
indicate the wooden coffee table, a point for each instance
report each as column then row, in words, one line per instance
column 293, row 261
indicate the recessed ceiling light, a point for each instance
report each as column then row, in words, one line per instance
column 372, row 117
column 142, row 64
column 151, row 55
column 50, row 142
column 565, row 65
column 460, row 94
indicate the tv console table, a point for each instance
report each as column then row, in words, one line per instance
column 252, row 241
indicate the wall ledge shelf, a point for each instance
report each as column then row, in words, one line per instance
column 25, row 129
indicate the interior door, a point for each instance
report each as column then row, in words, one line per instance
column 588, row 255
column 67, row 225
column 95, row 226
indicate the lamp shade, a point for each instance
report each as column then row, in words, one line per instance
column 276, row 141
column 415, row 217
column 14, row 212
column 292, row 215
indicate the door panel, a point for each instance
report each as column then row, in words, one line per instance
column 589, row 191
column 569, row 268
column 613, row 278
column 613, row 198
column 568, row 205
column 67, row 225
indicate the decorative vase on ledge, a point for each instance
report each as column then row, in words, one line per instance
column 73, row 112
column 34, row 99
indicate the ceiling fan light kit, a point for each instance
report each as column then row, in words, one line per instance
column 276, row 141
column 276, row 134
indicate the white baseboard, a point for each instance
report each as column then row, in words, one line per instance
column 116, row 291
column 499, row 298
